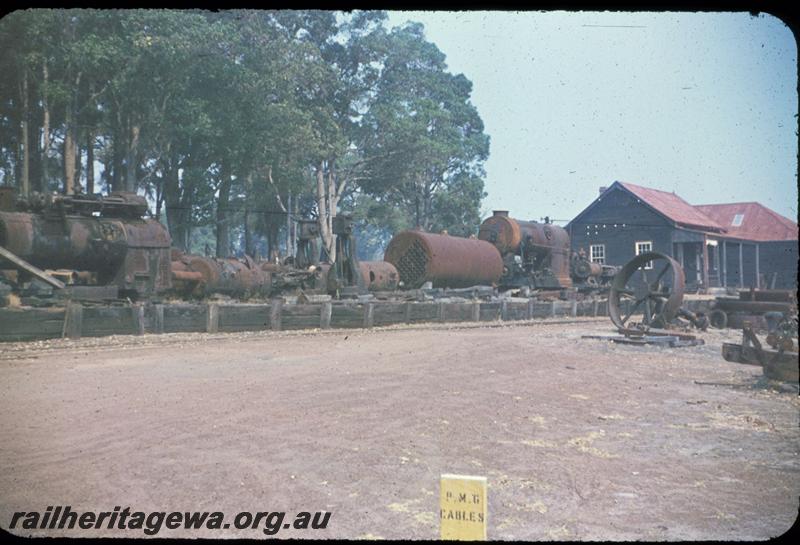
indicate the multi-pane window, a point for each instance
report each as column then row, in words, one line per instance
column 643, row 248
column 597, row 253
column 737, row 220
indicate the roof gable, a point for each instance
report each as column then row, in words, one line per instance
column 673, row 207
column 758, row 223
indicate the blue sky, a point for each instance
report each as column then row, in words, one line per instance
column 702, row 104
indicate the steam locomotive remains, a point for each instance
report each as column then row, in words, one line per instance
column 70, row 251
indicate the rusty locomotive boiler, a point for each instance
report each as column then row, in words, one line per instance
column 200, row 276
column 443, row 260
column 107, row 236
column 535, row 255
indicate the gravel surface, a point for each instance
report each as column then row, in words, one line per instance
column 579, row 439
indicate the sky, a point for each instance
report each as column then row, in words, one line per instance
column 702, row 104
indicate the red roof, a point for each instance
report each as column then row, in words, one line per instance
column 758, row 223
column 673, row 207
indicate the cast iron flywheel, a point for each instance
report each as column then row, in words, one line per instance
column 638, row 290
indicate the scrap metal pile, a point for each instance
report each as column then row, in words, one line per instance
column 106, row 248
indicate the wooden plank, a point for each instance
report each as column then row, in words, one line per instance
column 458, row 312
column 347, row 316
column 184, row 318
column 31, row 324
column 244, row 317
column 542, row 309
column 504, row 310
column 73, row 321
column 516, row 311
column 300, row 316
column 389, row 313
column 276, row 308
column 325, row 315
column 490, row 312
column 212, row 318
column 21, row 264
column 369, row 309
column 137, row 312
column 530, row 309
column 476, row 311
column 423, row 312
column 99, row 321
column 158, row 319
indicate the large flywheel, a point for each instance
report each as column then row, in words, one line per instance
column 647, row 291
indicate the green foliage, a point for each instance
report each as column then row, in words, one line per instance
column 218, row 116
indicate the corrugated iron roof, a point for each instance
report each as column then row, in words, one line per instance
column 758, row 223
column 673, row 207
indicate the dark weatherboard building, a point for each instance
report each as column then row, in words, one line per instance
column 737, row 245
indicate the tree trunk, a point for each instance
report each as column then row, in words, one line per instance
column 69, row 151
column 45, row 130
column 177, row 215
column 131, row 159
column 223, row 202
column 116, row 152
column 90, row 161
column 322, row 211
column 248, row 232
column 25, row 181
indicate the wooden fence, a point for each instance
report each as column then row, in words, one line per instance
column 75, row 321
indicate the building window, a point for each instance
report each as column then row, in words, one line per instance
column 737, row 220
column 643, row 248
column 597, row 253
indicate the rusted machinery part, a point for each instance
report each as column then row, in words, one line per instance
column 730, row 304
column 223, row 275
column 718, row 318
column 779, row 296
column 658, row 302
column 445, row 261
column 187, row 276
column 583, row 269
column 508, row 234
column 379, row 275
column 132, row 253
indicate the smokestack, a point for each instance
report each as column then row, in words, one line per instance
column 500, row 213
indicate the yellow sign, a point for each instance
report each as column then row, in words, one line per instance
column 462, row 508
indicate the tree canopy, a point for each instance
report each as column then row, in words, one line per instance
column 230, row 121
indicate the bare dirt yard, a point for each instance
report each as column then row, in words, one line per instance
column 579, row 439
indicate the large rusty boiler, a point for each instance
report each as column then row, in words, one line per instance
column 105, row 235
column 445, row 261
column 535, row 254
column 379, row 275
column 200, row 276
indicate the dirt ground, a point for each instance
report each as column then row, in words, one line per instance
column 579, row 439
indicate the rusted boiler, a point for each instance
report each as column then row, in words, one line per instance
column 445, row 261
column 534, row 254
column 105, row 235
column 199, row 276
column 379, row 275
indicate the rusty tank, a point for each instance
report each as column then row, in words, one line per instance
column 201, row 275
column 534, row 254
column 105, row 235
column 379, row 275
column 444, row 260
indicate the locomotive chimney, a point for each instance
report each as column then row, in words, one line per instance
column 500, row 213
